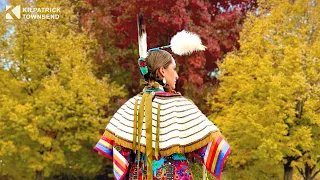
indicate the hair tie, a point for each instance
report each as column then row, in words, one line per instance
column 143, row 66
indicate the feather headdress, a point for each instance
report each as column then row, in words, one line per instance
column 142, row 36
column 185, row 43
column 142, row 40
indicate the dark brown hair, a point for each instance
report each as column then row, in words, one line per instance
column 155, row 60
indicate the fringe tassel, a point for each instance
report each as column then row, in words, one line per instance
column 157, row 133
column 168, row 151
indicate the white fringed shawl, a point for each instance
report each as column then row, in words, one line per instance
column 183, row 127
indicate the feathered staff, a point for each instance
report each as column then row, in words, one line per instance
column 142, row 40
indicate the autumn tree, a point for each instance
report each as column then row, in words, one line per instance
column 268, row 102
column 51, row 104
column 114, row 25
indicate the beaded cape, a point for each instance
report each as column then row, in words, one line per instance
column 178, row 126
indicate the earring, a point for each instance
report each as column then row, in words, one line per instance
column 164, row 80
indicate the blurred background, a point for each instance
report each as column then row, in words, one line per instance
column 63, row 76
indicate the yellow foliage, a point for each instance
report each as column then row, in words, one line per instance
column 268, row 104
column 51, row 104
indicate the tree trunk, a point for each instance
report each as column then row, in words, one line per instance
column 288, row 171
column 308, row 172
column 39, row 175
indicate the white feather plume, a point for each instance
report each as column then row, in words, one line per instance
column 184, row 43
column 142, row 36
column 143, row 45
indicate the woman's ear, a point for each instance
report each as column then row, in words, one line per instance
column 161, row 71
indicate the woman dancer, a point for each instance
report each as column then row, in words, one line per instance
column 154, row 133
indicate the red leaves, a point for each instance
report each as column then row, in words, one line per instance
column 195, row 78
column 218, row 24
column 197, row 61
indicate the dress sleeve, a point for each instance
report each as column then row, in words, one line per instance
column 213, row 155
column 105, row 147
column 119, row 155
